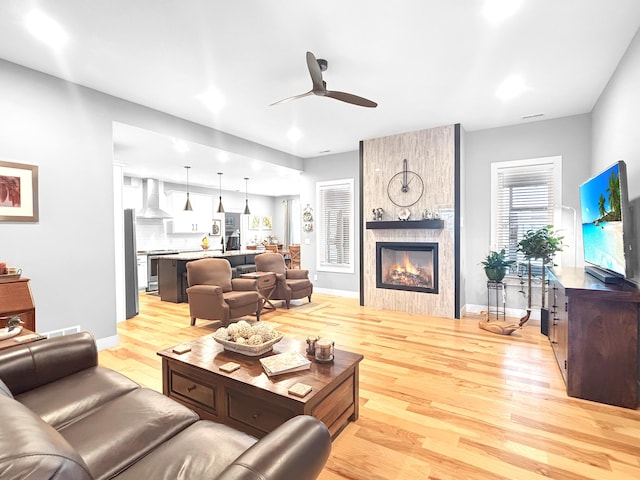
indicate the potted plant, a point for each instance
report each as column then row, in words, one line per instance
column 496, row 265
column 541, row 244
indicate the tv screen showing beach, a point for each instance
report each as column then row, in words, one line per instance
column 602, row 232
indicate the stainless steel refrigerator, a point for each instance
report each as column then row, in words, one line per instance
column 130, row 263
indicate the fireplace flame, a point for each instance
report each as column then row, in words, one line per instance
column 406, row 266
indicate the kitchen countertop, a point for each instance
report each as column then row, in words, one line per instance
column 207, row 254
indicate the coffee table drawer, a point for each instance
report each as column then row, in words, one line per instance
column 254, row 413
column 336, row 403
column 196, row 392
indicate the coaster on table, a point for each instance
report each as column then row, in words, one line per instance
column 180, row 349
column 230, row 367
column 300, row 389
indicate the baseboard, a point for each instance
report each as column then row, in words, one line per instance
column 107, row 342
column 475, row 310
column 337, row 293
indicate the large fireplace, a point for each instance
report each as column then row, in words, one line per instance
column 409, row 266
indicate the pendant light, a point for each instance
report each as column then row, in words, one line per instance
column 246, row 197
column 187, row 205
column 220, row 207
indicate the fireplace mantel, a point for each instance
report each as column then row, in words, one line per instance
column 436, row 223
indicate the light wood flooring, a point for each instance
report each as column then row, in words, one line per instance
column 439, row 398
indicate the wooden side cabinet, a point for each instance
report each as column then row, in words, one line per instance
column 594, row 335
column 16, row 300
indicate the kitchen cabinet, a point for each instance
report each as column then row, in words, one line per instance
column 142, row 272
column 594, row 335
column 197, row 220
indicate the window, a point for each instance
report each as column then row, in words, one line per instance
column 526, row 195
column 335, row 226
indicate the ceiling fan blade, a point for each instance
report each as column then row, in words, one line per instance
column 350, row 98
column 295, row 97
column 316, row 74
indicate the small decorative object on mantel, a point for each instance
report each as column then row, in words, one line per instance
column 427, row 214
column 404, row 214
column 377, row 214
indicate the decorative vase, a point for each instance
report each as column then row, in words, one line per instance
column 495, row 274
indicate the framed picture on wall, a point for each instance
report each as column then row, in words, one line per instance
column 18, row 192
column 254, row 222
column 266, row 223
column 215, row 227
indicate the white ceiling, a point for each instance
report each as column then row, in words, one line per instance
column 425, row 62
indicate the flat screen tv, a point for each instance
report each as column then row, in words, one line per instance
column 606, row 231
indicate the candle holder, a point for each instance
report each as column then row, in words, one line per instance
column 324, row 350
column 311, row 345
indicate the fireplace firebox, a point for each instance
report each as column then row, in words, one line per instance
column 411, row 266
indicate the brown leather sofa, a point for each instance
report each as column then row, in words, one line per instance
column 290, row 284
column 64, row 417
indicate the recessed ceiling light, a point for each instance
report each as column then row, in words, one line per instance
column 46, row 29
column 294, row 134
column 212, row 99
column 511, row 87
column 498, row 10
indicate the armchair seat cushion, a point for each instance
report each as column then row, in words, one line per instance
column 238, row 299
column 297, row 285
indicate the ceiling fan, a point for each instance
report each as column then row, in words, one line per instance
column 316, row 67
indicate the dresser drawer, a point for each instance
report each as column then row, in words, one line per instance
column 193, row 391
column 254, row 413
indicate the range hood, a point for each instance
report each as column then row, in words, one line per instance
column 151, row 191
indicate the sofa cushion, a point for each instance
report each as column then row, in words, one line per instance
column 31, row 365
column 115, row 435
column 4, row 390
column 72, row 397
column 203, row 447
column 30, row 448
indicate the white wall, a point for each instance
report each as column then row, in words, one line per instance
column 70, row 254
column 616, row 124
column 569, row 137
column 319, row 169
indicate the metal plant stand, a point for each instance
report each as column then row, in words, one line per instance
column 496, row 300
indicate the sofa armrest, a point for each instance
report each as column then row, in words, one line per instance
column 297, row 274
column 244, row 284
column 25, row 367
column 298, row 449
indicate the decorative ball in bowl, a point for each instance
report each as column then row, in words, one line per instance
column 241, row 337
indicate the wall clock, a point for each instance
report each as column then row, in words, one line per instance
column 405, row 187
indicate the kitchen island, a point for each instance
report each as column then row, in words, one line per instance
column 172, row 270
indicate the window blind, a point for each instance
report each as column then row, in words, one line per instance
column 524, row 199
column 335, row 225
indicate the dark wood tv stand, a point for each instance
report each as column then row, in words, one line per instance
column 594, row 335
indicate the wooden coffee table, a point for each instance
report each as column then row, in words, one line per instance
column 249, row 400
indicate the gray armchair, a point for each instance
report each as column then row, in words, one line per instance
column 290, row 284
column 214, row 295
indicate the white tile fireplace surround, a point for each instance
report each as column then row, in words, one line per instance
column 432, row 155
